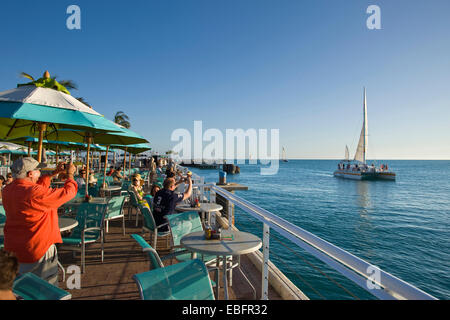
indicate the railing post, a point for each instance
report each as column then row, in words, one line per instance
column 212, row 195
column 230, row 215
column 265, row 273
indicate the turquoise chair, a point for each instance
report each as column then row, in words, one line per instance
column 150, row 226
column 114, row 210
column 133, row 204
column 181, row 224
column 182, row 281
column 155, row 261
column 90, row 219
column 30, row 287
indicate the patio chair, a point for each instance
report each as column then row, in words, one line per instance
column 149, row 225
column 90, row 219
column 30, row 287
column 133, row 204
column 114, row 210
column 182, row 281
column 155, row 261
column 181, row 224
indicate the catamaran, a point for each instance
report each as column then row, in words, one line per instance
column 358, row 169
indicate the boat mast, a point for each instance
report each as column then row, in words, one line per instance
column 366, row 136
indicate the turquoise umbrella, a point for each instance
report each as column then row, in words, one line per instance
column 31, row 109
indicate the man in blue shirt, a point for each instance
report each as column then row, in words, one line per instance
column 166, row 199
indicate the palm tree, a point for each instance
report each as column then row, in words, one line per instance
column 122, row 119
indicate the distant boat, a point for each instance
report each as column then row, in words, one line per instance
column 357, row 169
column 283, row 155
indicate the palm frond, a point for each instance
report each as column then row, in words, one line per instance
column 69, row 84
column 26, row 75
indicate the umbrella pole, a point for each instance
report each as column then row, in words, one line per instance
column 29, row 148
column 129, row 162
column 89, row 139
column 104, row 170
column 57, row 155
column 42, row 127
column 125, row 161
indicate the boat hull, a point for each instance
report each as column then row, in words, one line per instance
column 364, row 175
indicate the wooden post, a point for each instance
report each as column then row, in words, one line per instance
column 129, row 163
column 89, row 140
column 42, row 127
column 29, row 148
column 104, row 170
column 125, row 161
column 57, row 155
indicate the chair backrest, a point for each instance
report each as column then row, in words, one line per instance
column 133, row 198
column 183, row 223
column 125, row 185
column 30, row 287
column 90, row 215
column 147, row 248
column 115, row 207
column 182, row 281
column 149, row 220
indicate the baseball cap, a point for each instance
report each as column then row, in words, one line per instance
column 22, row 166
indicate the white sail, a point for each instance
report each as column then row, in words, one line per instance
column 347, row 154
column 361, row 150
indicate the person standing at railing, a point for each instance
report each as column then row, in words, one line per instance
column 31, row 229
column 166, row 199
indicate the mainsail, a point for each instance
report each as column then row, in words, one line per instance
column 347, row 154
column 361, row 151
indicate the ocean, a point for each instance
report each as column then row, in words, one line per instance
column 403, row 227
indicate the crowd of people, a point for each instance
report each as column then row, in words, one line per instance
column 31, row 231
column 363, row 167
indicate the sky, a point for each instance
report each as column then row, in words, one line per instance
column 298, row 66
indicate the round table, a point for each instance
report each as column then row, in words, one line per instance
column 66, row 224
column 204, row 208
column 242, row 243
column 111, row 189
column 79, row 201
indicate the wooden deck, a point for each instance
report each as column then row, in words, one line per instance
column 123, row 258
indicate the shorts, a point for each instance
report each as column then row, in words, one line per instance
column 46, row 268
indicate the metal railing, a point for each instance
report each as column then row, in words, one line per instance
column 369, row 277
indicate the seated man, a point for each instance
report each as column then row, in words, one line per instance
column 166, row 199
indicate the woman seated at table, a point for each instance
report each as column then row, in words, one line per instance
column 136, row 187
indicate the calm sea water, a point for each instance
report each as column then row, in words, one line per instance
column 403, row 227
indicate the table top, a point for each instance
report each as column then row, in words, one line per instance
column 66, row 224
column 242, row 243
column 205, row 207
column 78, row 201
column 111, row 188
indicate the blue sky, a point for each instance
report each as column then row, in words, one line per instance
column 298, row 66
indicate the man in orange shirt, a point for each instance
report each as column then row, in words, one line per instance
column 31, row 229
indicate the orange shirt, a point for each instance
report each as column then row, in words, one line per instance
column 31, row 216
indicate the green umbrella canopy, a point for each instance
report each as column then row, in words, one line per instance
column 123, row 136
column 133, row 148
column 52, row 144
